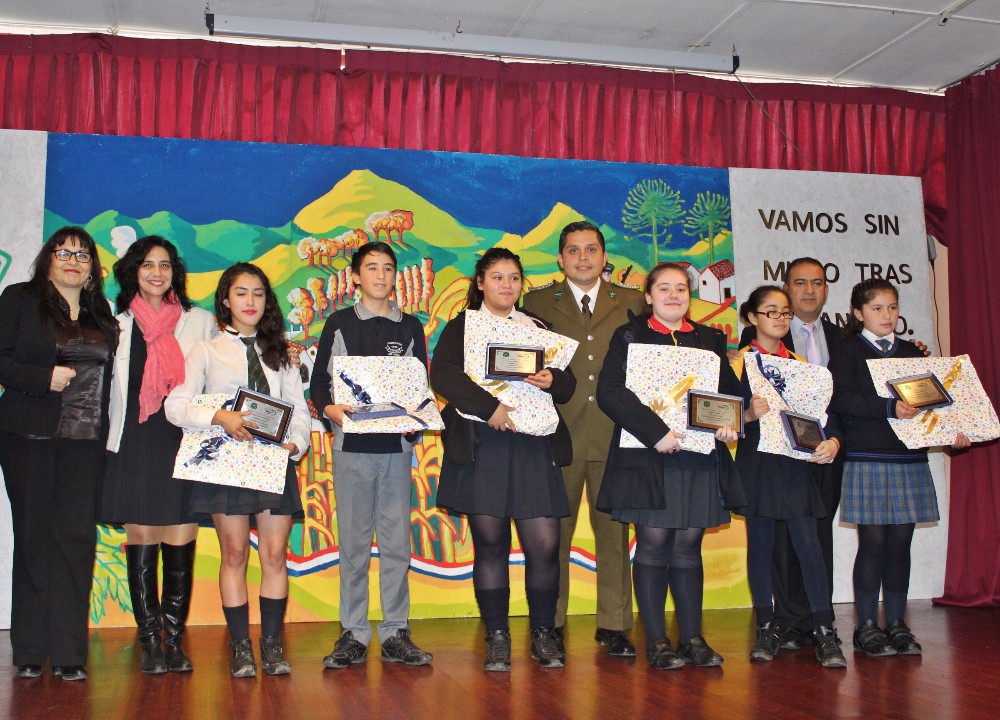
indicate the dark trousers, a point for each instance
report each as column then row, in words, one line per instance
column 791, row 606
column 52, row 486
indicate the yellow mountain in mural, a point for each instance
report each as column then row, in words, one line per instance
column 351, row 201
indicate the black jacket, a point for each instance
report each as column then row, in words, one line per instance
column 633, row 476
column 28, row 354
column 449, row 380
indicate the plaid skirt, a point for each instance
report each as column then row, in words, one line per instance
column 878, row 493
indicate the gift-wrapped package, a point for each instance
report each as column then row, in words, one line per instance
column 212, row 456
column 360, row 380
column 972, row 413
column 660, row 376
column 534, row 413
column 787, row 384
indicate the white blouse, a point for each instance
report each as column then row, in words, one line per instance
column 219, row 365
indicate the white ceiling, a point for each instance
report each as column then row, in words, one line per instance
column 897, row 43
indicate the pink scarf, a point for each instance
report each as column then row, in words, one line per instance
column 164, row 368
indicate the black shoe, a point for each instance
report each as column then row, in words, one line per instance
column 616, row 641
column 346, row 652
column 544, row 648
column 141, row 561
column 828, row 648
column 902, row 639
column 400, row 648
column 790, row 638
column 272, row 657
column 178, row 578
column 153, row 661
column 766, row 646
column 243, row 664
column 70, row 672
column 870, row 640
column 663, row 657
column 557, row 633
column 29, row 671
column 697, row 651
column 497, row 651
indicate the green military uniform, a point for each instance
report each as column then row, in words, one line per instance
column 591, row 431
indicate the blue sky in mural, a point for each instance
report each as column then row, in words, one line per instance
column 267, row 184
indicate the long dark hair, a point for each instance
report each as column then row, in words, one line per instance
column 126, row 272
column 861, row 295
column 474, row 298
column 270, row 329
column 756, row 299
column 51, row 310
column 658, row 270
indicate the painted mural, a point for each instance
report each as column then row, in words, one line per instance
column 300, row 212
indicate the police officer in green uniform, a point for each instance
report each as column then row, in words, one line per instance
column 589, row 309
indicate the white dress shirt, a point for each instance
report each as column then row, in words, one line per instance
column 219, row 365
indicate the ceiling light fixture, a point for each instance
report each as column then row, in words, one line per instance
column 463, row 43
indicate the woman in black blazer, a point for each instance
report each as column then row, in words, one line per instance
column 57, row 336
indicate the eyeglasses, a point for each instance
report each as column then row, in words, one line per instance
column 82, row 256
column 774, row 314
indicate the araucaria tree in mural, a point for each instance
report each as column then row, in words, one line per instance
column 707, row 218
column 650, row 209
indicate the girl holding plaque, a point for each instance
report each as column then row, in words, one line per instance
column 671, row 496
column 57, row 337
column 781, row 488
column 159, row 326
column 249, row 352
column 887, row 487
column 494, row 474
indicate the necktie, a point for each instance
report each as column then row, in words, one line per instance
column 813, row 354
column 884, row 344
column 586, row 306
column 256, row 379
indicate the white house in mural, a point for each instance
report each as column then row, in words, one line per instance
column 692, row 273
column 717, row 282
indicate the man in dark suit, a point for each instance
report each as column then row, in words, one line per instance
column 805, row 283
column 589, row 309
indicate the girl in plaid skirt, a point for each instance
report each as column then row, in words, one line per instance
column 887, row 487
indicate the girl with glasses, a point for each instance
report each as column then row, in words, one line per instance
column 780, row 488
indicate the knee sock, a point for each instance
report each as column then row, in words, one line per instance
column 822, row 618
column 542, row 607
column 494, row 608
column 687, row 586
column 272, row 615
column 764, row 615
column 650, row 583
column 238, row 621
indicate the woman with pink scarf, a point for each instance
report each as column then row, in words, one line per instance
column 159, row 325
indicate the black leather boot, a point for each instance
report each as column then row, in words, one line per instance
column 141, row 562
column 178, row 578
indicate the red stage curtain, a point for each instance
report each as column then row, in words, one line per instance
column 199, row 89
column 973, row 164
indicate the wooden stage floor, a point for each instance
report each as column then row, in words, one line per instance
column 958, row 677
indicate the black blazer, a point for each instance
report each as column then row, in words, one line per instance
column 28, row 354
column 832, row 333
column 449, row 380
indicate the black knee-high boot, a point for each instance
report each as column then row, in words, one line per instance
column 178, row 578
column 141, row 562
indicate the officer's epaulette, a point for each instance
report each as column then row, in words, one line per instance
column 626, row 287
column 542, row 287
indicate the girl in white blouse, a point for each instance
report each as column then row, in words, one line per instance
column 249, row 352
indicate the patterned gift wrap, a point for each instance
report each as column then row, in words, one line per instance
column 211, row 456
column 400, row 380
column 787, row 384
column 660, row 376
column 535, row 413
column 972, row 412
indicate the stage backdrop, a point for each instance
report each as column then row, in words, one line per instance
column 300, row 212
column 858, row 226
